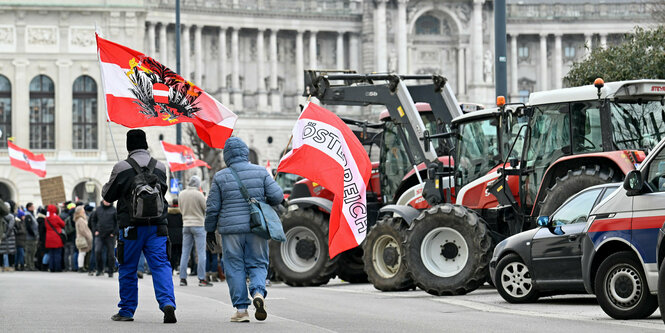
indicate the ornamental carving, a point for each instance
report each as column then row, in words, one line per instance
column 6, row 35
column 45, row 36
column 82, row 37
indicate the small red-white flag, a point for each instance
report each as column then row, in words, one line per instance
column 269, row 168
column 181, row 157
column 326, row 151
column 26, row 160
column 140, row 92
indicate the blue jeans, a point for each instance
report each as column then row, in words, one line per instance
column 243, row 255
column 154, row 248
column 5, row 260
column 55, row 259
column 211, row 262
column 20, row 256
column 198, row 235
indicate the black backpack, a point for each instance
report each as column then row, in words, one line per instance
column 147, row 200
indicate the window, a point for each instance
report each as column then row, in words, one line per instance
column 428, row 25
column 42, row 113
column 84, row 113
column 587, row 134
column 569, row 52
column 637, row 124
column 523, row 53
column 657, row 172
column 5, row 110
column 576, row 210
column 607, row 193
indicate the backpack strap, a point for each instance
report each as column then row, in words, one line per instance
column 152, row 164
column 134, row 165
column 243, row 189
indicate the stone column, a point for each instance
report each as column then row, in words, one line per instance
column 260, row 69
column 21, row 97
column 186, row 68
column 588, row 42
column 150, row 50
column 558, row 62
column 461, row 79
column 542, row 79
column 235, row 74
column 477, row 41
column 354, row 52
column 163, row 53
column 340, row 50
column 380, row 38
column 63, row 110
column 300, row 63
column 222, row 67
column 402, row 47
column 275, row 96
column 514, row 90
column 603, row 40
column 198, row 55
column 312, row 49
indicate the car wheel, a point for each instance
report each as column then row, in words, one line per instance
column 661, row 290
column 621, row 288
column 514, row 281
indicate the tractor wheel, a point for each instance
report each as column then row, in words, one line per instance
column 661, row 290
column 447, row 250
column 573, row 182
column 303, row 260
column 621, row 288
column 350, row 266
column 383, row 248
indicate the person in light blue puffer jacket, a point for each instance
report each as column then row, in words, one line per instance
column 227, row 211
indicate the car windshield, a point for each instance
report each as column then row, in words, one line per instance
column 477, row 150
column 286, row 181
column 637, row 124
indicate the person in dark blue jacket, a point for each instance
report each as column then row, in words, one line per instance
column 244, row 253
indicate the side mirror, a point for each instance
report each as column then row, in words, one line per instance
column 633, row 183
column 543, row 221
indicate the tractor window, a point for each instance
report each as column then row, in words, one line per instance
column 394, row 161
column 656, row 173
column 587, row 134
column 576, row 210
column 550, row 140
column 477, row 150
column 637, row 125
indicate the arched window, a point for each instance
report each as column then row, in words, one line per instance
column 5, row 110
column 42, row 113
column 428, row 25
column 84, row 113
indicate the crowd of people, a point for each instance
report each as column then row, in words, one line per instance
column 30, row 240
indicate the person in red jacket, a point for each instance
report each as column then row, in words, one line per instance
column 54, row 225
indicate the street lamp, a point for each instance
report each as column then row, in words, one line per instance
column 90, row 188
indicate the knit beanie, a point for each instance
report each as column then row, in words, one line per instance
column 136, row 140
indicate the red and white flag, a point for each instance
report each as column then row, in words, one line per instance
column 181, row 157
column 269, row 168
column 142, row 92
column 26, row 160
column 326, row 151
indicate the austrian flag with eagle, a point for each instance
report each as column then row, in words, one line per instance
column 142, row 92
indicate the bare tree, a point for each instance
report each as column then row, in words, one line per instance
column 212, row 156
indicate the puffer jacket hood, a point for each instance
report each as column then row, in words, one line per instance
column 235, row 150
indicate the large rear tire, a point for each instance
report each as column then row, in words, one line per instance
column 621, row 288
column 350, row 266
column 383, row 248
column 573, row 182
column 448, row 250
column 661, row 290
column 303, row 260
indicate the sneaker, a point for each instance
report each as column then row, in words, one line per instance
column 110, row 274
column 169, row 315
column 139, row 275
column 91, row 273
column 99, row 274
column 204, row 283
column 183, row 282
column 259, row 304
column 240, row 317
column 118, row 317
column 82, row 270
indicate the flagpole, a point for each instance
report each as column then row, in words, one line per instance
column 178, row 126
column 101, row 72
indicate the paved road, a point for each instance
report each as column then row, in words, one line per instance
column 39, row 302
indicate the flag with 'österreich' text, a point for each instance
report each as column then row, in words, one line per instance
column 142, row 92
column 326, row 151
column 25, row 160
column 181, row 157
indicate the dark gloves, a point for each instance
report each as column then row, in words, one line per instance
column 211, row 240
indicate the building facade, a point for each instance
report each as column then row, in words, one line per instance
column 251, row 55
